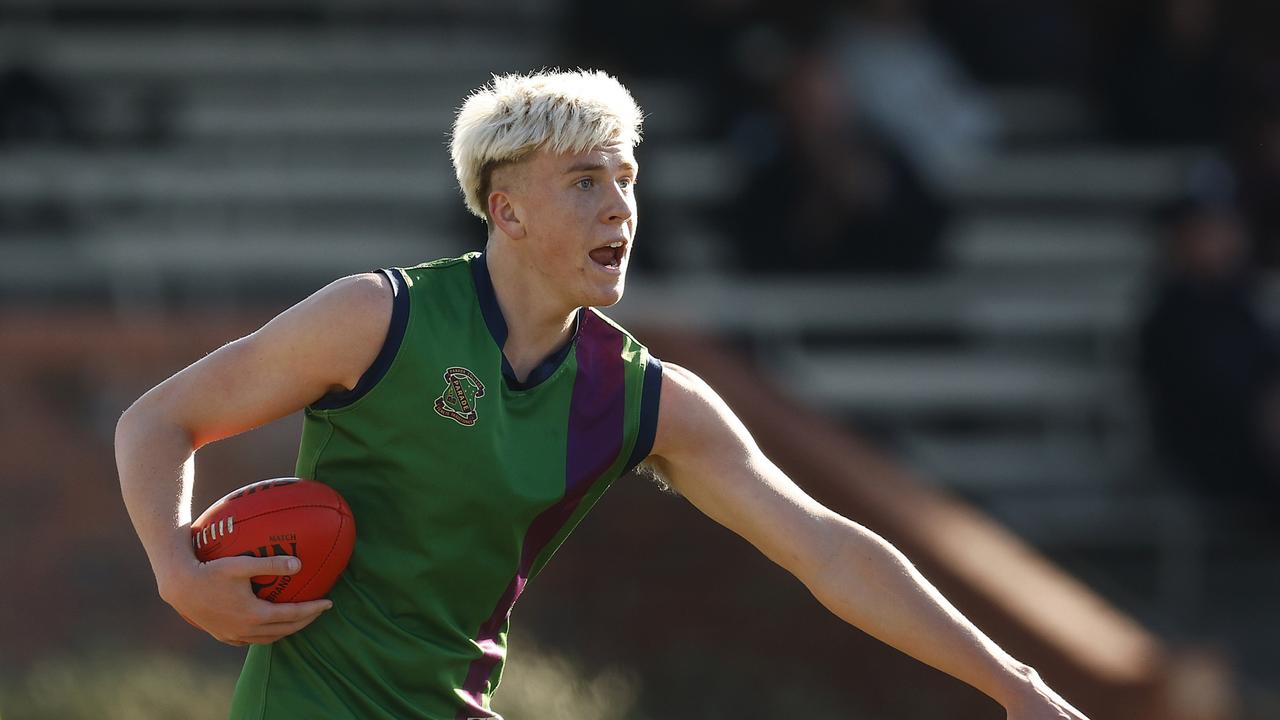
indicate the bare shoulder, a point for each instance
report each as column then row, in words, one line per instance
column 322, row 344
column 683, row 392
column 365, row 296
column 354, row 314
column 331, row 337
column 692, row 418
column 351, row 309
column 704, row 452
column 355, row 299
column 681, row 395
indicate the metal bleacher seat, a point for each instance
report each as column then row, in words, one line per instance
column 1065, row 242
column 1098, row 175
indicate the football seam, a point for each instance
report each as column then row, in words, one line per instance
column 327, row 555
column 246, row 518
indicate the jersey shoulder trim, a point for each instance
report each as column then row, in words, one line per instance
column 390, row 347
column 650, row 396
column 444, row 262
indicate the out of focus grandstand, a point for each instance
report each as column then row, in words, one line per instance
column 975, row 232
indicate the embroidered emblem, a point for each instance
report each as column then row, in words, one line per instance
column 458, row 401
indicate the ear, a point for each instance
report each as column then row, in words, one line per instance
column 506, row 216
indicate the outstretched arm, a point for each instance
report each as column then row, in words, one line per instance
column 707, row 455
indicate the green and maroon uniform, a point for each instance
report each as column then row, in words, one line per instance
column 463, row 482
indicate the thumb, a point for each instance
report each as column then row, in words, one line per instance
column 248, row 566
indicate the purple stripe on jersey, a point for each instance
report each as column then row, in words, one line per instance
column 595, row 435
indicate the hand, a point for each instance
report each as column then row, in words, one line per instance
column 216, row 597
column 1037, row 701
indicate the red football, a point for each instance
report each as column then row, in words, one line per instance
column 281, row 516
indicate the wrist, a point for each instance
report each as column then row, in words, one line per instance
column 1017, row 683
column 174, row 566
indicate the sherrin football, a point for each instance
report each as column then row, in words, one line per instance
column 281, row 516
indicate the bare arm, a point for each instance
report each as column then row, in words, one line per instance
column 323, row 343
column 707, row 455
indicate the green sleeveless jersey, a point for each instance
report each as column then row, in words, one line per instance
column 463, row 482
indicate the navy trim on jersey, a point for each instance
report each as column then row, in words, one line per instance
column 497, row 324
column 649, row 398
column 381, row 363
column 489, row 301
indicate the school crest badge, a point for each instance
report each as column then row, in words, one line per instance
column 458, row 401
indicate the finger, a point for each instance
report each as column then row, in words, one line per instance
column 293, row 612
column 272, row 633
column 282, row 629
column 244, row 566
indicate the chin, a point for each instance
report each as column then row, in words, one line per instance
column 604, row 297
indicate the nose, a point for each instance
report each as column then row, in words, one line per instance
column 620, row 206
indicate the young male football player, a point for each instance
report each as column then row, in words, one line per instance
column 472, row 410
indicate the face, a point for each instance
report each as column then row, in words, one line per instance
column 1211, row 245
column 576, row 217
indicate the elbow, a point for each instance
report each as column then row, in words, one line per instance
column 130, row 429
column 124, row 426
column 125, row 444
column 130, row 424
column 141, row 423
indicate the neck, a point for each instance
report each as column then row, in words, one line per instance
column 537, row 323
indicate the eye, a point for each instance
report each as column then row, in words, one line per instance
column 585, row 183
column 627, row 182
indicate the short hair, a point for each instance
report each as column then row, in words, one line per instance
column 514, row 115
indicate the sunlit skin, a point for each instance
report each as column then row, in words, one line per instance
column 549, row 211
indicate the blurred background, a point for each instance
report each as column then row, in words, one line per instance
column 996, row 278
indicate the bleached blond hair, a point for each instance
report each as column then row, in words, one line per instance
column 514, row 115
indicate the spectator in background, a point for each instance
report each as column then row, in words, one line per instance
column 1165, row 79
column 1014, row 42
column 825, row 187
column 729, row 53
column 1257, row 153
column 728, row 49
column 35, row 108
column 912, row 89
column 1208, row 362
column 823, row 192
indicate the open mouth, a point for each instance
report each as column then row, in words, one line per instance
column 609, row 256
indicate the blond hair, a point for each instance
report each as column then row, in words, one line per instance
column 514, row 115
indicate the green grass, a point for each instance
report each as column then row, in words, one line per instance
column 112, row 686
column 108, row 687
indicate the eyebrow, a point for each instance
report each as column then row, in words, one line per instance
column 589, row 166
